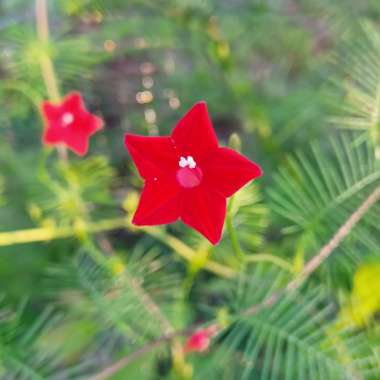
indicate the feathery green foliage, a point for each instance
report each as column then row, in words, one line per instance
column 20, row 355
column 296, row 338
column 107, row 298
column 318, row 192
column 360, row 74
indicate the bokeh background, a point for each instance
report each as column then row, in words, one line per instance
column 292, row 84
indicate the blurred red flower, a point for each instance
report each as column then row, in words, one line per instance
column 69, row 123
column 187, row 175
column 200, row 340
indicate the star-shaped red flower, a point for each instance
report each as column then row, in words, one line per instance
column 187, row 175
column 69, row 123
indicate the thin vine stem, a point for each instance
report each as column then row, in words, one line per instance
column 50, row 233
column 315, row 262
column 149, row 304
column 232, row 232
column 47, row 68
column 266, row 257
column 42, row 234
column 46, row 64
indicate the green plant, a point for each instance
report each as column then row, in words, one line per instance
column 290, row 291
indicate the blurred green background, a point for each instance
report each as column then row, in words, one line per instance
column 298, row 82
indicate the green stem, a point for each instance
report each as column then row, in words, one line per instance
column 43, row 173
column 262, row 257
column 42, row 234
column 50, row 233
column 187, row 252
column 46, row 64
column 47, row 68
column 232, row 233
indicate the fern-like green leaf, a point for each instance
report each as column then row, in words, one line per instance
column 131, row 302
column 295, row 338
column 358, row 61
column 317, row 192
column 21, row 357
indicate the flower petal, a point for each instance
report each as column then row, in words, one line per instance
column 153, row 156
column 77, row 141
column 52, row 135
column 50, row 111
column 87, row 123
column 226, row 171
column 73, row 103
column 204, row 211
column 95, row 124
column 159, row 203
column 194, row 134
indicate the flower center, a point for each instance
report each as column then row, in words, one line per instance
column 189, row 174
column 67, row 119
column 189, row 161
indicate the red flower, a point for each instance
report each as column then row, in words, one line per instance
column 200, row 340
column 69, row 123
column 187, row 175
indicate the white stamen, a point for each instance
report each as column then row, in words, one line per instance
column 182, row 162
column 189, row 161
column 67, row 118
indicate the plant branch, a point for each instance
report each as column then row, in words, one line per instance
column 46, row 64
column 188, row 253
column 47, row 68
column 50, row 233
column 148, row 303
column 308, row 269
column 108, row 372
column 232, row 232
column 45, row 234
column 120, row 364
column 266, row 257
column 316, row 261
column 150, row 306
